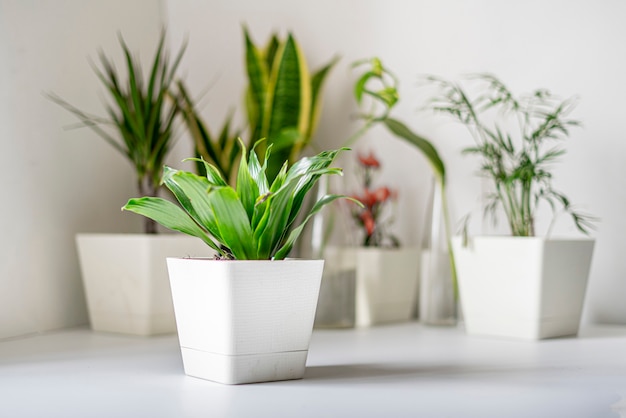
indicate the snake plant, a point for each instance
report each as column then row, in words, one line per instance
column 140, row 113
column 255, row 220
column 283, row 97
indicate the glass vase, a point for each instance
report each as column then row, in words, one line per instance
column 437, row 300
column 330, row 234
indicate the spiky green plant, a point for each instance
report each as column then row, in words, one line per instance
column 283, row 99
column 222, row 150
column 139, row 111
column 256, row 220
column 518, row 164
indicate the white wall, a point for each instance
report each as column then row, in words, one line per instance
column 571, row 47
column 57, row 182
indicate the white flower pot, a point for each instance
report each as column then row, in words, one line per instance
column 244, row 321
column 523, row 287
column 386, row 284
column 125, row 279
column 368, row 286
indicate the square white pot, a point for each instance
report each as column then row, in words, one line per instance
column 523, row 287
column 125, row 279
column 244, row 321
column 386, row 284
column 365, row 286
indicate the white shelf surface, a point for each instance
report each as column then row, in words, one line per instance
column 393, row 371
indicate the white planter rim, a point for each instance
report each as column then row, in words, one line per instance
column 535, row 238
column 204, row 259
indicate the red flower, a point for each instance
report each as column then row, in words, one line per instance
column 368, row 198
column 382, row 194
column 369, row 161
column 368, row 221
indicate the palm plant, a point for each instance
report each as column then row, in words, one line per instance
column 283, row 99
column 256, row 219
column 517, row 164
column 140, row 114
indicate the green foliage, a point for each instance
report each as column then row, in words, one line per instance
column 518, row 164
column 249, row 222
column 140, row 112
column 283, row 98
column 380, row 85
column 222, row 150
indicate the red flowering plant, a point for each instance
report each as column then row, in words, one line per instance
column 371, row 216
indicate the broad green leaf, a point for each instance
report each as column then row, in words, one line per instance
column 257, row 72
column 257, row 171
column 170, row 216
column 192, row 192
column 401, row 130
column 247, row 188
column 233, row 224
column 288, row 101
column 317, row 83
column 359, row 86
column 212, row 173
column 295, row 233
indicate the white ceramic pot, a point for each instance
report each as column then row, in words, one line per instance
column 365, row 286
column 386, row 284
column 125, row 279
column 523, row 287
column 244, row 321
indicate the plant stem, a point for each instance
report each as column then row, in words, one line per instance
column 148, row 188
column 446, row 223
column 358, row 134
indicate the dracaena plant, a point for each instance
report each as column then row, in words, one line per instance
column 517, row 140
column 140, row 111
column 283, row 98
column 256, row 219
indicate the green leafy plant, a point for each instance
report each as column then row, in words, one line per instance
column 255, row 220
column 222, row 150
column 283, row 98
column 517, row 163
column 140, row 114
column 376, row 92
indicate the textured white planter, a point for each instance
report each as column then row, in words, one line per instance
column 386, row 284
column 523, row 287
column 368, row 286
column 244, row 321
column 125, row 279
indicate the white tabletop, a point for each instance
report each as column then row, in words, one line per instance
column 393, row 371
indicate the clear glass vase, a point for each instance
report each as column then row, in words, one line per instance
column 437, row 299
column 329, row 235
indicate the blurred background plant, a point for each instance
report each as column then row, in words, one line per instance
column 373, row 218
column 222, row 150
column 518, row 164
column 283, row 98
column 376, row 93
column 141, row 113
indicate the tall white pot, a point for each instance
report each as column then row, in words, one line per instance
column 244, row 321
column 523, row 287
column 125, row 279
